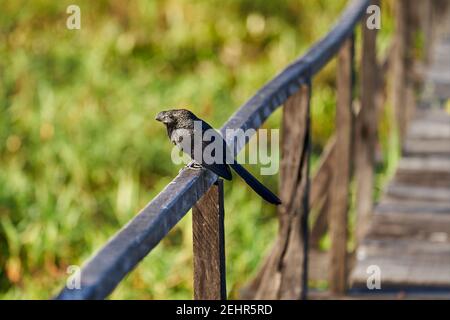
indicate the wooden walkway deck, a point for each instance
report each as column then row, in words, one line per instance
column 408, row 237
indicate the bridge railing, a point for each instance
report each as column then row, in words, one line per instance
column 284, row 273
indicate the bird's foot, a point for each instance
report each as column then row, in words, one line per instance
column 194, row 165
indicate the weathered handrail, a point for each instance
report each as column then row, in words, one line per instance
column 102, row 273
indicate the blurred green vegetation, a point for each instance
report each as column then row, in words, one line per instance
column 80, row 153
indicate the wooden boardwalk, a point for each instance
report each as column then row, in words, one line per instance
column 408, row 237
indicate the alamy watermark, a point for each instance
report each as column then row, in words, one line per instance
column 374, row 278
column 374, row 20
column 73, row 21
column 73, row 281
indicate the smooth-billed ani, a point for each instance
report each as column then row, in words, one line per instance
column 181, row 127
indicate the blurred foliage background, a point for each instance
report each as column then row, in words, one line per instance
column 81, row 154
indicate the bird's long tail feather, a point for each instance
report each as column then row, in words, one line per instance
column 259, row 188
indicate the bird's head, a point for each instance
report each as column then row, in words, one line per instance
column 175, row 117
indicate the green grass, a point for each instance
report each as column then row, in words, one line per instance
column 80, row 153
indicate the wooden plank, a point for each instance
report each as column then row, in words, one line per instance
column 426, row 226
column 415, row 206
column 411, row 192
column 424, row 171
column 417, row 165
column 339, row 191
column 427, row 147
column 437, row 116
column 209, row 245
column 322, row 178
column 423, row 129
column 365, row 131
column 430, row 127
column 404, row 263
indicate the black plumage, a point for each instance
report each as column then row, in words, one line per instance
column 180, row 124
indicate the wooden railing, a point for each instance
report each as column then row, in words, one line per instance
column 284, row 273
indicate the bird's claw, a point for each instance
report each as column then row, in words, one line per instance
column 194, row 165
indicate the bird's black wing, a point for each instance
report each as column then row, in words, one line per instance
column 219, row 167
column 221, row 170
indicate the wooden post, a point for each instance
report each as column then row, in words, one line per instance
column 339, row 191
column 366, row 132
column 400, row 66
column 320, row 186
column 209, row 245
column 320, row 226
column 427, row 27
column 283, row 273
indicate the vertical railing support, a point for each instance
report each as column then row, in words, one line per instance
column 400, row 66
column 320, row 226
column 339, row 191
column 366, row 131
column 427, row 27
column 209, row 245
column 283, row 274
column 304, row 212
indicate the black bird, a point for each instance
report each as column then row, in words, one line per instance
column 181, row 129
